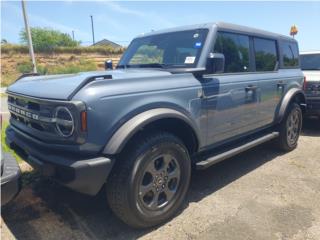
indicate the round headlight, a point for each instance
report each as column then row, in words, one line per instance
column 64, row 121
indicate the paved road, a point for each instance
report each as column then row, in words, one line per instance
column 260, row 194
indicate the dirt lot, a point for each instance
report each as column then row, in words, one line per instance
column 260, row 194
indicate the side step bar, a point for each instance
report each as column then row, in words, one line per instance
column 232, row 152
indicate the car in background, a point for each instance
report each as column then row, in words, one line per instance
column 310, row 65
column 10, row 175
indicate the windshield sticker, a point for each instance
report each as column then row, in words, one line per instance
column 196, row 35
column 197, row 45
column 190, row 60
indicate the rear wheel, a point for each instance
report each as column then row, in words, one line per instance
column 290, row 128
column 150, row 180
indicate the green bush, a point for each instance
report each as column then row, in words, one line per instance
column 24, row 67
column 46, row 39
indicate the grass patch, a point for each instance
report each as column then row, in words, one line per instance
column 16, row 48
column 80, row 66
column 29, row 177
column 7, row 79
column 64, row 67
column 5, row 147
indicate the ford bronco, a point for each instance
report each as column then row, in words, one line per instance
column 310, row 65
column 179, row 98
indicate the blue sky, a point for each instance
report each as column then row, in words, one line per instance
column 122, row 20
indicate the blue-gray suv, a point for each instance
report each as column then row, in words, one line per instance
column 183, row 97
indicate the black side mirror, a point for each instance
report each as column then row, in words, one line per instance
column 108, row 65
column 215, row 63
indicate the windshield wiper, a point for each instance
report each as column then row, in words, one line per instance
column 123, row 66
column 144, row 65
column 150, row 65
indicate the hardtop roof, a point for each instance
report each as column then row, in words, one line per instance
column 222, row 26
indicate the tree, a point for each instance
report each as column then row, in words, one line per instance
column 46, row 39
column 4, row 41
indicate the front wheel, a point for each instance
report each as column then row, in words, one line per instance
column 290, row 128
column 150, row 180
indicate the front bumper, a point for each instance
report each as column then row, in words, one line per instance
column 10, row 178
column 313, row 105
column 80, row 173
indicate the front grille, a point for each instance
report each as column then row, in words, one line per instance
column 313, row 87
column 39, row 119
column 31, row 114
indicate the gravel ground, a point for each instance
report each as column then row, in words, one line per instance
column 260, row 194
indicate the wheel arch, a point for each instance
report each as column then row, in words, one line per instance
column 163, row 118
column 293, row 95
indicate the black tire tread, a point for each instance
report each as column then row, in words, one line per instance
column 117, row 181
column 281, row 141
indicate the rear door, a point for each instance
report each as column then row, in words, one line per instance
column 274, row 81
column 271, row 84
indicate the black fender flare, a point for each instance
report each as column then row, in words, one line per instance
column 128, row 129
column 286, row 100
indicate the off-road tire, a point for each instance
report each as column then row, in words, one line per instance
column 289, row 134
column 124, row 184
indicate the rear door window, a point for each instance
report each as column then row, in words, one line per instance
column 235, row 48
column 290, row 55
column 265, row 52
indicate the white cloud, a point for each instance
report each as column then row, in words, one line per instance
column 121, row 9
column 147, row 16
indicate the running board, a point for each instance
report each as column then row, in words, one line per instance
column 230, row 153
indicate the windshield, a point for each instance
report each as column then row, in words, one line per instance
column 175, row 49
column 310, row 61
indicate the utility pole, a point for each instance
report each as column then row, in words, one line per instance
column 26, row 23
column 92, row 29
column 72, row 35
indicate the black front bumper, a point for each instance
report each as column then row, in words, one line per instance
column 313, row 105
column 10, row 178
column 81, row 173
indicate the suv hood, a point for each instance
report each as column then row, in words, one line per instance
column 63, row 87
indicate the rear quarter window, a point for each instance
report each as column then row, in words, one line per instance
column 290, row 55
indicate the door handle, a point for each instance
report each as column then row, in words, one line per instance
column 281, row 84
column 251, row 88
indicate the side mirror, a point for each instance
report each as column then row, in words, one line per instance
column 215, row 63
column 108, row 65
